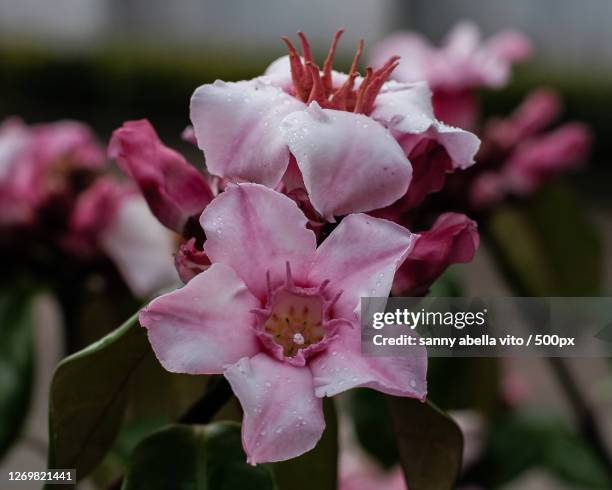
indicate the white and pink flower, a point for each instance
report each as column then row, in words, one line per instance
column 346, row 139
column 279, row 317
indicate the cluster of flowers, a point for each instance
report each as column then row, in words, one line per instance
column 313, row 177
column 57, row 195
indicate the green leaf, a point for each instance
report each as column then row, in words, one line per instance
column 16, row 364
column 430, row 444
column 519, row 442
column 195, row 457
column 298, row 474
column 374, row 430
column 88, row 398
column 548, row 247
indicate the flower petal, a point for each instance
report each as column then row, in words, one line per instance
column 256, row 230
column 406, row 110
column 140, row 246
column 349, row 162
column 282, row 417
column 453, row 239
column 203, row 326
column 174, row 189
column 342, row 367
column 360, row 258
column 236, row 125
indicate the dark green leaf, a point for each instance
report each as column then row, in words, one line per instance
column 317, row 468
column 370, row 414
column 16, row 364
column 430, row 444
column 88, row 398
column 182, row 457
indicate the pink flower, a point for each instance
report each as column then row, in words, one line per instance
column 453, row 239
column 37, row 164
column 113, row 218
column 454, row 70
column 519, row 155
column 348, row 137
column 175, row 191
column 279, row 317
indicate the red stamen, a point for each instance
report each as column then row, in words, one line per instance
column 306, row 52
column 362, row 89
column 317, row 93
column 297, row 70
column 355, row 63
column 329, row 61
column 380, row 77
column 340, row 98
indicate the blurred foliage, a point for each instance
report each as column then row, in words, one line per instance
column 521, row 441
column 547, row 246
column 186, row 457
column 16, row 363
column 94, row 390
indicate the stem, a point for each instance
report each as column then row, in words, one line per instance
column 218, row 392
column 583, row 413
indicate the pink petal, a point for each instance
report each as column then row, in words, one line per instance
column 140, row 246
column 190, row 261
column 174, row 190
column 453, row 239
column 406, row 110
column 256, row 230
column 342, row 367
column 237, row 127
column 203, row 326
column 360, row 258
column 282, row 417
column 349, row 162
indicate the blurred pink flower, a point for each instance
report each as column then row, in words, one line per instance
column 279, row 316
column 520, row 155
column 369, row 477
column 37, row 164
column 453, row 239
column 463, row 63
column 345, row 139
column 175, row 191
column 113, row 218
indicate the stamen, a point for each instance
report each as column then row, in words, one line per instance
column 289, row 276
column 323, row 285
column 310, row 84
column 329, row 61
column 335, row 300
column 380, row 77
column 317, row 93
column 355, row 64
column 306, row 52
column 297, row 70
column 298, row 338
column 362, row 89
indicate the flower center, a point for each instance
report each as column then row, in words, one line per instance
column 310, row 85
column 296, row 321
